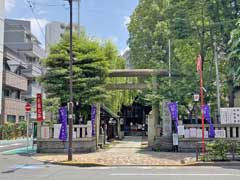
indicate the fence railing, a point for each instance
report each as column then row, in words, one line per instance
column 79, row 131
column 221, row 130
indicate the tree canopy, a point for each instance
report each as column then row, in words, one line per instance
column 193, row 27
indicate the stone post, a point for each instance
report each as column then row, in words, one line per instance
column 151, row 129
column 167, row 122
column 154, row 115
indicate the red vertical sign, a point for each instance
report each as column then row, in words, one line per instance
column 39, row 107
column 199, row 69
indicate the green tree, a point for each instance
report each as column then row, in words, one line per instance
column 90, row 69
column 117, row 98
column 192, row 26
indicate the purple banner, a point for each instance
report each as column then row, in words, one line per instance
column 93, row 117
column 173, row 109
column 63, row 119
column 206, row 110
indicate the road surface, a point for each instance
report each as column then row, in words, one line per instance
column 23, row 167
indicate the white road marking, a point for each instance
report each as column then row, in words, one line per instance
column 9, row 145
column 150, row 174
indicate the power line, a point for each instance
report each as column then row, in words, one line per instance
column 35, row 17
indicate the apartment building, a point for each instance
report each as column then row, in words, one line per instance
column 22, row 56
column 1, row 49
column 54, row 32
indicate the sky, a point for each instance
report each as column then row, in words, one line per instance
column 104, row 19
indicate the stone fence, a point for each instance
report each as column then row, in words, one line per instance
column 188, row 142
column 221, row 130
column 48, row 139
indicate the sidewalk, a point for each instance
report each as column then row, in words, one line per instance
column 131, row 151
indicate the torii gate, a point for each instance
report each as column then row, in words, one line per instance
column 125, row 86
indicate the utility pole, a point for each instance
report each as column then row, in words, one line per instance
column 79, row 1
column 217, row 81
column 70, row 117
column 169, row 61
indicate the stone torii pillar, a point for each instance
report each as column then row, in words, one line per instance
column 153, row 116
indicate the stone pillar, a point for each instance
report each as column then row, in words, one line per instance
column 151, row 129
column 97, row 130
column 154, row 115
column 167, row 122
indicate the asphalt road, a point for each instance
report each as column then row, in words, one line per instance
column 12, row 145
column 22, row 167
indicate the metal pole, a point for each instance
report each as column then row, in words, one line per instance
column 79, row 1
column 169, row 61
column 71, row 90
column 202, row 105
column 217, row 82
column 27, row 118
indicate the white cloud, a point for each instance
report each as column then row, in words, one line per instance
column 127, row 20
column 36, row 30
column 9, row 5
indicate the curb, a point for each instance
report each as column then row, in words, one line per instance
column 233, row 163
column 93, row 164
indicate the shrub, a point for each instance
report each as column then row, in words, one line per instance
column 12, row 131
column 217, row 150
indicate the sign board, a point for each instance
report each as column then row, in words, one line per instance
column 167, row 122
column 39, row 107
column 44, row 132
column 28, row 107
column 181, row 130
column 56, row 132
column 196, row 97
column 230, row 115
column 175, row 139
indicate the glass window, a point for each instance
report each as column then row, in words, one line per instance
column 21, row 118
column 11, row 118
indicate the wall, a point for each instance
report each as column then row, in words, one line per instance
column 1, row 47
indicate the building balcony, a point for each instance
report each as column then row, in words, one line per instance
column 31, row 49
column 15, row 81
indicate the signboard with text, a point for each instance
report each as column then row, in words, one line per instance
column 230, row 115
column 39, row 107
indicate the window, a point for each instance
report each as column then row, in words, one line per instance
column 11, row 118
column 6, row 93
column 21, row 118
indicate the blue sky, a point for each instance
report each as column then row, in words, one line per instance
column 105, row 19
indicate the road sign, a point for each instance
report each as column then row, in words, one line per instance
column 28, row 107
column 39, row 107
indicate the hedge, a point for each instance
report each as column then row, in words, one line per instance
column 13, row 131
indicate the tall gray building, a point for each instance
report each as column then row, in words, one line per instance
column 54, row 32
column 1, row 48
column 22, row 56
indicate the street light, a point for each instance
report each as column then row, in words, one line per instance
column 70, row 89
